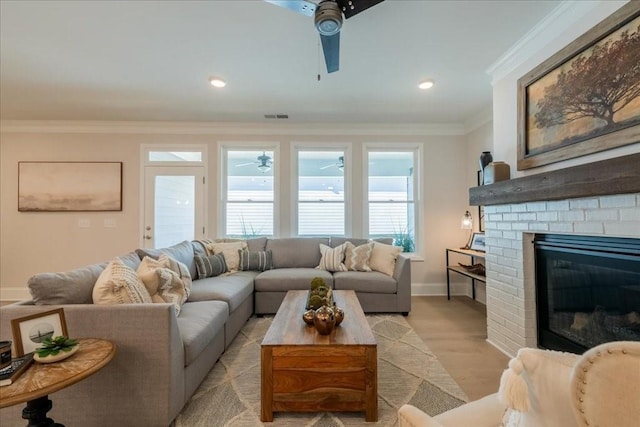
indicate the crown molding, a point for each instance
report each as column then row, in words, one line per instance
column 214, row 128
column 565, row 14
column 483, row 117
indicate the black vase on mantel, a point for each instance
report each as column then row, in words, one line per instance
column 485, row 159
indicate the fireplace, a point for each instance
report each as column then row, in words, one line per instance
column 587, row 290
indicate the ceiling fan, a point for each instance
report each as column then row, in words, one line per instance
column 264, row 163
column 327, row 17
column 339, row 164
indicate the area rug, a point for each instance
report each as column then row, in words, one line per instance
column 408, row 372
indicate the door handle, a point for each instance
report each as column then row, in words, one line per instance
column 147, row 236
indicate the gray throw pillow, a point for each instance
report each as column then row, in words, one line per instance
column 210, row 265
column 255, row 261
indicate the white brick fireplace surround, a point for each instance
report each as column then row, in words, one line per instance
column 511, row 315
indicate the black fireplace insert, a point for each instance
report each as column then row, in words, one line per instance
column 587, row 291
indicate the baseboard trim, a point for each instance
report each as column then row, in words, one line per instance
column 500, row 348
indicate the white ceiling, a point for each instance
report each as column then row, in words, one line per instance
column 151, row 60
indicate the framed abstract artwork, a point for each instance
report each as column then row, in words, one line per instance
column 69, row 186
column 586, row 97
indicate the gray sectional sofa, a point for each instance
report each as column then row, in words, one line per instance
column 162, row 358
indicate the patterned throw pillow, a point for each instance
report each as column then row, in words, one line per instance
column 166, row 280
column 356, row 258
column 255, row 261
column 119, row 284
column 230, row 251
column 332, row 258
column 210, row 266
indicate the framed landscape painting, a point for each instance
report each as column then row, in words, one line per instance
column 69, row 186
column 585, row 98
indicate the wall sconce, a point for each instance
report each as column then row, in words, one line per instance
column 467, row 224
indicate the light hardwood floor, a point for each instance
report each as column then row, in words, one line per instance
column 456, row 331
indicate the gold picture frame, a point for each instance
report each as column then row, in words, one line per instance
column 30, row 331
column 578, row 101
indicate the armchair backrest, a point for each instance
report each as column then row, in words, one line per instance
column 605, row 385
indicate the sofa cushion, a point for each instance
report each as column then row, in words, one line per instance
column 255, row 260
column 232, row 289
column 356, row 258
column 287, row 279
column 199, row 322
column 182, row 252
column 369, row 282
column 72, row 287
column 119, row 284
column 230, row 251
column 210, row 265
column 383, row 258
column 332, row 258
column 296, row 252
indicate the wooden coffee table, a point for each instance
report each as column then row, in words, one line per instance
column 303, row 371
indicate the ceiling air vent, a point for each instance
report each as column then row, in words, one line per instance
column 276, row 116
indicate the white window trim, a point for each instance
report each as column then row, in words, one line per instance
column 223, row 147
column 417, row 149
column 348, row 165
column 145, row 149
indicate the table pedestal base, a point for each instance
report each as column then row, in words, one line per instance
column 36, row 412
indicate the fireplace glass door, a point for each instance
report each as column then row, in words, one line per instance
column 587, row 290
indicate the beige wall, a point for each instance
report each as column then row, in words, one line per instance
column 37, row 242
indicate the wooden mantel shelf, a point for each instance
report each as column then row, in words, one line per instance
column 620, row 175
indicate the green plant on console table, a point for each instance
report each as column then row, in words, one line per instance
column 53, row 346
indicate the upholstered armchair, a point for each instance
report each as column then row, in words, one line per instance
column 543, row 388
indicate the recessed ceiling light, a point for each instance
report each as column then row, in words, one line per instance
column 426, row 84
column 217, row 82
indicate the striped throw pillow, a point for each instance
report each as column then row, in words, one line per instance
column 210, row 265
column 356, row 258
column 332, row 258
column 255, row 260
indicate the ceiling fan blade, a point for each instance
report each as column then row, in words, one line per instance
column 301, row 6
column 353, row 7
column 331, row 49
column 327, row 167
column 246, row 164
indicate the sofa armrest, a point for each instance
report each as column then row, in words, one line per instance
column 144, row 380
column 402, row 275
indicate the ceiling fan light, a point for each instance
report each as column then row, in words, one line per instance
column 426, row 84
column 264, row 168
column 328, row 18
column 217, row 82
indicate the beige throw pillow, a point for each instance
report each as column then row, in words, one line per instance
column 166, row 280
column 230, row 251
column 383, row 258
column 356, row 258
column 119, row 284
column 332, row 258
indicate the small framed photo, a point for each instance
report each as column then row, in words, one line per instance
column 477, row 242
column 30, row 331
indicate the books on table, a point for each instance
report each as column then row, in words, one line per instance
column 18, row 365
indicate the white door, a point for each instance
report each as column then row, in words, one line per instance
column 173, row 205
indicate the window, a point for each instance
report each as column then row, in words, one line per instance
column 248, row 196
column 392, row 196
column 321, row 196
